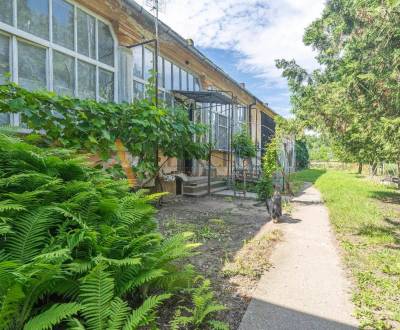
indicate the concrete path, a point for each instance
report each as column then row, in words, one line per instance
column 307, row 287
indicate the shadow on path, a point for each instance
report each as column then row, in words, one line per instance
column 283, row 318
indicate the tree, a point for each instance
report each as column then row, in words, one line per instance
column 356, row 89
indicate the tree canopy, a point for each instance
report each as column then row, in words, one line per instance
column 354, row 97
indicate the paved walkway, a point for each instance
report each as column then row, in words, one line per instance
column 307, row 287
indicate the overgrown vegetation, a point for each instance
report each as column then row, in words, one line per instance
column 366, row 217
column 77, row 249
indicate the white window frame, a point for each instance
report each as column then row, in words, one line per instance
column 16, row 35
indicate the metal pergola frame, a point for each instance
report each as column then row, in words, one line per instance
column 213, row 98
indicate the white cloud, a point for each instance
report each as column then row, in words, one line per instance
column 260, row 30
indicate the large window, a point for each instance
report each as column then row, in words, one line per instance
column 170, row 76
column 64, row 74
column 86, row 35
column 176, row 77
column 63, row 23
column 6, row 11
column 57, row 45
column 33, row 17
column 31, row 66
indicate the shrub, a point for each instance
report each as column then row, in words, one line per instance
column 270, row 166
column 302, row 155
column 77, row 248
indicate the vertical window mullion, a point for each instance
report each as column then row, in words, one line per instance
column 75, row 29
column 51, row 21
column 76, row 50
column 96, row 39
column 49, row 69
column 14, row 13
column 76, row 77
column 15, row 118
column 97, row 84
column 97, row 57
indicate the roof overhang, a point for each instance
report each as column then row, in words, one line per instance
column 215, row 97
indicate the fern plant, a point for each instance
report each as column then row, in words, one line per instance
column 69, row 231
column 204, row 305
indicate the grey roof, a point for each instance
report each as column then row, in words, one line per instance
column 205, row 96
column 148, row 19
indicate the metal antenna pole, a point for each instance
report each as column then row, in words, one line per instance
column 156, row 52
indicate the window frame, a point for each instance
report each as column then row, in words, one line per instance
column 15, row 34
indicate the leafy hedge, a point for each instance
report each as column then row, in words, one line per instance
column 77, row 249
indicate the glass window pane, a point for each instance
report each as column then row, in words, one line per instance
column 31, row 66
column 148, row 63
column 33, row 17
column 183, row 80
column 4, row 58
column 86, row 80
column 196, row 84
column 167, row 75
column 138, row 90
column 6, row 11
column 190, row 83
column 138, row 62
column 176, row 77
column 106, row 44
column 106, row 85
column 160, row 72
column 63, row 23
column 64, row 74
column 86, row 34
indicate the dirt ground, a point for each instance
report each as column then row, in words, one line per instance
column 236, row 245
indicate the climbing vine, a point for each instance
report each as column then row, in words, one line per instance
column 94, row 127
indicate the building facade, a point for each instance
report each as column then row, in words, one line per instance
column 83, row 48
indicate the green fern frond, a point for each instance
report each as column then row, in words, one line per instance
column 180, row 321
column 139, row 280
column 144, row 315
column 218, row 325
column 97, row 292
column 118, row 313
column 8, row 205
column 75, row 324
column 30, row 234
column 54, row 315
column 119, row 262
column 5, row 229
column 60, row 255
column 80, row 266
column 11, row 304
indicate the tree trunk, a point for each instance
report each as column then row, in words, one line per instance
column 360, row 168
column 398, row 173
column 374, row 168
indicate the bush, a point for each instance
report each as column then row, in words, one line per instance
column 264, row 188
column 77, row 248
column 302, row 156
column 270, row 166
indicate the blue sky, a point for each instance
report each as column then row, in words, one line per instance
column 276, row 96
column 245, row 37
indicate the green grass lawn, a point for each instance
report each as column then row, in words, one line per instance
column 366, row 218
